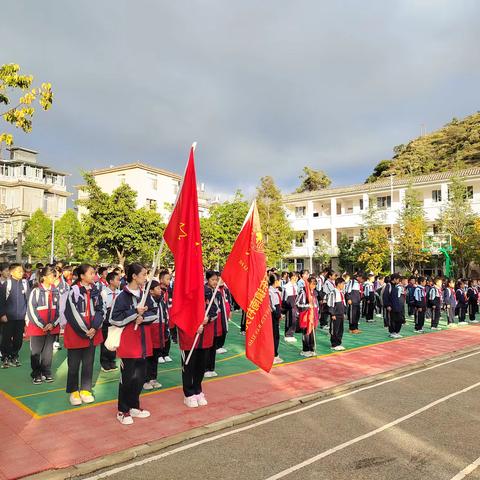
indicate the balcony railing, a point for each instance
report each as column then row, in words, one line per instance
column 59, row 182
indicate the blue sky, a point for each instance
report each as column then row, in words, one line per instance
column 265, row 88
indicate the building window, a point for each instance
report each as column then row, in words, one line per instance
column 361, row 203
column 384, row 202
column 437, row 195
column 339, row 208
column 121, row 177
column 316, row 214
column 469, row 193
column 151, row 204
column 153, row 182
column 300, row 239
column 300, row 212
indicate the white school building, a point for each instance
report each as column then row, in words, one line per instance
column 319, row 218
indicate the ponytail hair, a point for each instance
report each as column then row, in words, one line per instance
column 81, row 270
column 134, row 269
column 45, row 271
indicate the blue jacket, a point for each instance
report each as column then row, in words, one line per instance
column 14, row 299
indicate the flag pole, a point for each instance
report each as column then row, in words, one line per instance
column 197, row 336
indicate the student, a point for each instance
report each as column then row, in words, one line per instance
column 396, row 306
column 83, row 332
column 227, row 309
column 193, row 373
column 450, row 300
column 289, row 302
column 461, row 297
column 411, row 287
column 436, row 299
column 14, row 296
column 302, row 281
column 109, row 295
column 157, row 330
column 327, row 289
column 102, row 281
column 166, row 302
column 43, row 325
column 472, row 299
column 353, row 297
column 337, row 307
column 135, row 342
column 275, row 306
column 384, row 294
column 380, row 283
column 420, row 298
column 307, row 304
column 369, row 297
column 4, row 273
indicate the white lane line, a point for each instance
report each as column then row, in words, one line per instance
column 265, row 421
column 467, row 470
column 333, row 450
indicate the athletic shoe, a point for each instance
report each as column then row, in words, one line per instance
column 75, row 399
column 435, row 328
column 86, row 396
column 124, row 418
column 379, row 315
column 473, row 321
column 211, row 374
column 201, row 400
column 155, row 384
column 325, row 327
column 392, row 335
column 462, row 323
column 290, row 339
column 49, row 379
column 418, row 331
column 168, row 359
column 139, row 413
column 221, row 350
column 37, row 381
column 147, row 386
column 5, row 364
column 243, row 333
column 57, row 346
column 277, row 360
column 304, row 354
column 191, row 402
column 338, row 348
column 398, row 335
column 161, row 360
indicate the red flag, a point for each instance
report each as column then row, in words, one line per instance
column 246, row 277
column 182, row 235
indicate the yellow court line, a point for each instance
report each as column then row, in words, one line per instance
column 20, row 405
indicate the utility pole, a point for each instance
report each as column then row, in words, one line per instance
column 392, row 260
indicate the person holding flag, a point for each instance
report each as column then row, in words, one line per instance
column 307, row 304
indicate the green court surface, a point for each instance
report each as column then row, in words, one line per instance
column 47, row 399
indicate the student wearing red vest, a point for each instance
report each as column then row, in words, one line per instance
column 43, row 325
column 135, row 343
column 83, row 332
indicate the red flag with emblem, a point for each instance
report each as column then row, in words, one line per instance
column 182, row 236
column 245, row 273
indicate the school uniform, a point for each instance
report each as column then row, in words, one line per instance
column 14, row 296
column 436, row 299
column 160, row 335
column 220, row 328
column 276, row 309
column 369, row 300
column 472, row 298
column 309, row 319
column 43, row 309
column 135, row 346
column 107, row 357
column 353, row 294
column 101, row 284
column 226, row 307
column 397, row 305
column 166, row 305
column 420, row 298
column 83, row 311
column 385, row 293
column 327, row 288
column 461, row 308
column 337, row 308
column 290, row 293
column 450, row 301
column 193, row 373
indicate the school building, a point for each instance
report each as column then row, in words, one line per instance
column 156, row 188
column 321, row 217
column 26, row 186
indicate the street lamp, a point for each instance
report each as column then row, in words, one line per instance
column 392, row 260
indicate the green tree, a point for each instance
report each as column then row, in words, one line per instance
column 458, row 220
column 220, row 230
column 116, row 228
column 413, row 227
column 70, row 239
column 16, row 89
column 375, row 243
column 322, row 253
column 276, row 230
column 37, row 233
column 313, row 180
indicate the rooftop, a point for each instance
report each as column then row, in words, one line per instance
column 130, row 166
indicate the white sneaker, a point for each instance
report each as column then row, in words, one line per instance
column 325, row 327
column 86, row 396
column 338, row 348
column 124, row 418
column 139, row 413
column 435, row 328
column 201, row 400
column 75, row 399
column 210, row 374
column 462, row 323
column 398, row 335
column 418, row 331
column 290, row 339
column 391, row 335
column 147, row 386
column 167, row 359
column 191, row 402
column 161, row 360
column 379, row 315
column 155, row 384
column 304, row 354
column 56, row 346
column 277, row 360
column 221, row 350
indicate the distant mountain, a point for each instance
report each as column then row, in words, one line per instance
column 456, row 145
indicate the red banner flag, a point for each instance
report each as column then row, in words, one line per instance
column 246, row 276
column 182, row 235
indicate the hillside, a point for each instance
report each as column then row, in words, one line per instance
column 457, row 144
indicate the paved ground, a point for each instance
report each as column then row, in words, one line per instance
column 417, row 426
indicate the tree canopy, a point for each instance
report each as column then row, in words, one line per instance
column 313, row 180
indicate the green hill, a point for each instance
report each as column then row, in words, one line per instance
column 457, row 145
